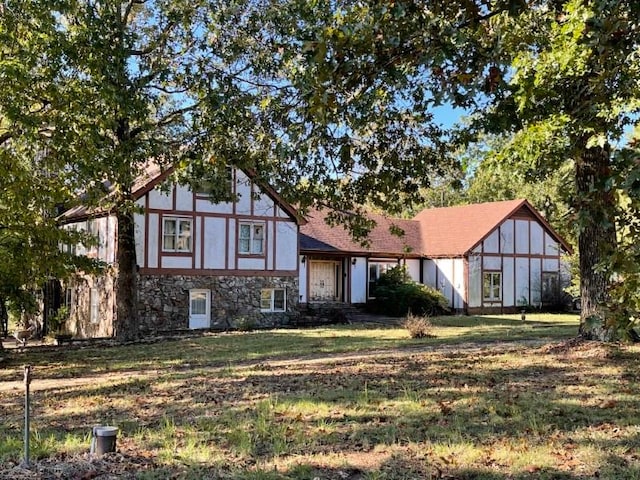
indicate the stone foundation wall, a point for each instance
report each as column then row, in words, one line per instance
column 79, row 323
column 164, row 301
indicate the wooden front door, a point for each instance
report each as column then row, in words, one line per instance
column 324, row 286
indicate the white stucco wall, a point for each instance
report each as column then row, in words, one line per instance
column 286, row 246
column 413, row 269
column 359, row 280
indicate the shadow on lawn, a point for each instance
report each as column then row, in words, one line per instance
column 224, row 349
column 447, row 398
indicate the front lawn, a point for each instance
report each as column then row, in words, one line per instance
column 486, row 398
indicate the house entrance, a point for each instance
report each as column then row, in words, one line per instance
column 199, row 309
column 324, row 284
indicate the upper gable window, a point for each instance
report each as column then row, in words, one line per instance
column 176, row 235
column 251, row 238
column 206, row 188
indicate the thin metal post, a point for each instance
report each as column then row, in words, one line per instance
column 27, row 382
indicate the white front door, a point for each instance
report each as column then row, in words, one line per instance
column 199, row 309
column 323, row 276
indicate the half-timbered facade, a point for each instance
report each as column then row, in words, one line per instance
column 201, row 264
column 490, row 257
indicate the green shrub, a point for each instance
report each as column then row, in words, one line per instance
column 418, row 326
column 397, row 295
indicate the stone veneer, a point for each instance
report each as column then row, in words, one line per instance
column 163, row 300
column 79, row 323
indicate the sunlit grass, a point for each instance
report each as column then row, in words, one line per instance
column 277, row 404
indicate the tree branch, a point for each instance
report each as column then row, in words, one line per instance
column 161, row 40
column 5, row 137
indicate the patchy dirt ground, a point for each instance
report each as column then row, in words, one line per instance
column 498, row 411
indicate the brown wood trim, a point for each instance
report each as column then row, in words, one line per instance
column 202, row 240
column 252, row 200
column 502, row 281
column 234, row 189
column 194, row 244
column 153, row 183
column 174, row 199
column 177, row 254
column 274, row 243
column 160, row 239
column 372, row 256
column 188, row 213
column 347, row 278
column 308, row 263
column 515, row 270
column 522, row 255
column 250, row 255
column 145, row 260
column 218, row 273
column 529, row 255
column 227, row 244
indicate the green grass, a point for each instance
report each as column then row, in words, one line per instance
column 345, row 402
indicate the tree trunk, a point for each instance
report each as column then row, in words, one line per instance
column 596, row 238
column 125, row 324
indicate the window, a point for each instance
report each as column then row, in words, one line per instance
column 94, row 313
column 93, row 229
column 71, row 248
column 251, row 239
column 491, row 286
column 551, row 291
column 176, row 235
column 68, row 298
column 273, row 300
column 375, row 270
column 199, row 302
column 222, row 188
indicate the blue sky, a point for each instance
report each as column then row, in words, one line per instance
column 447, row 115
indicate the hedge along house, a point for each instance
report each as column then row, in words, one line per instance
column 200, row 264
column 485, row 258
column 336, row 269
column 492, row 257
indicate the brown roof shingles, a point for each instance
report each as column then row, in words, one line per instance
column 434, row 232
column 318, row 236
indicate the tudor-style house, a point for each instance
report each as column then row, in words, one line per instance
column 485, row 258
column 201, row 264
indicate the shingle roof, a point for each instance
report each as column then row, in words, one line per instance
column 454, row 231
column 434, row 232
column 318, row 236
column 150, row 177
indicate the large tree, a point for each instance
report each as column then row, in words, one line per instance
column 561, row 77
column 574, row 89
column 183, row 82
column 331, row 101
column 32, row 183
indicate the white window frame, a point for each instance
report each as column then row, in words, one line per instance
column 94, row 306
column 493, row 283
column 269, row 295
column 177, row 234
column 198, row 291
column 380, row 268
column 251, row 250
